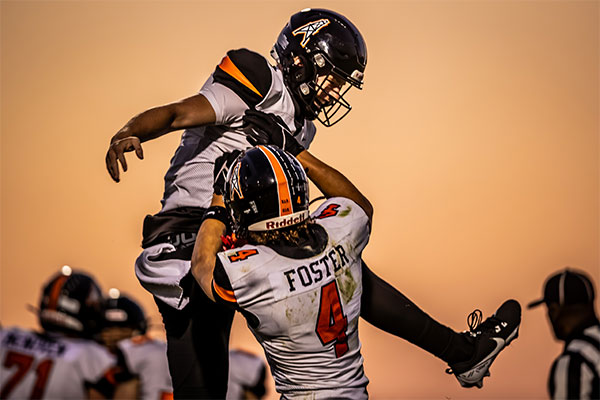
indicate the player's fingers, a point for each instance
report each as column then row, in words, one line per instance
column 252, row 139
column 111, row 165
column 138, row 149
column 123, row 161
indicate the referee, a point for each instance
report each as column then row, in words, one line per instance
column 569, row 297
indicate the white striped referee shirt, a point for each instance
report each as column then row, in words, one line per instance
column 575, row 374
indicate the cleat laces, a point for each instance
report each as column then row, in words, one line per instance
column 474, row 322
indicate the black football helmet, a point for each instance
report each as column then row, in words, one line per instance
column 319, row 51
column 73, row 304
column 266, row 189
column 124, row 312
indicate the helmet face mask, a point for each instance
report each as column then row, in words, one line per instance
column 267, row 189
column 318, row 46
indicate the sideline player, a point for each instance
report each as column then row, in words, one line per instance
column 140, row 357
column 319, row 55
column 62, row 361
column 298, row 281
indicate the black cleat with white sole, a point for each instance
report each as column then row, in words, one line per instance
column 489, row 338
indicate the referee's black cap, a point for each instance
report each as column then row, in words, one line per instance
column 567, row 287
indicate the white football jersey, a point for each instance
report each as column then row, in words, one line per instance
column 49, row 367
column 146, row 358
column 246, row 371
column 307, row 309
column 242, row 80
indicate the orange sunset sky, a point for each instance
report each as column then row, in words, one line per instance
column 475, row 138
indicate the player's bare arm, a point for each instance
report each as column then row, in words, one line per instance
column 153, row 123
column 265, row 128
column 333, row 183
column 208, row 244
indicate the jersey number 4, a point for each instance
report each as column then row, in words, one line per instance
column 23, row 363
column 332, row 323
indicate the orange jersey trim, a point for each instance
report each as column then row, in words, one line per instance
column 285, row 200
column 228, row 66
column 55, row 292
column 225, row 294
column 110, row 375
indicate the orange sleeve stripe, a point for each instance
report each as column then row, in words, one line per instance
column 55, row 292
column 228, row 66
column 166, row 396
column 225, row 294
column 285, row 200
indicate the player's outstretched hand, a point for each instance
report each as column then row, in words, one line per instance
column 116, row 153
column 263, row 128
column 222, row 165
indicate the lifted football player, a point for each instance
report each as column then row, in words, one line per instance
column 319, row 56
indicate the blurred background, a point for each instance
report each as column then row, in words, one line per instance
column 476, row 138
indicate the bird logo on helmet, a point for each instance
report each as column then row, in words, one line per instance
column 321, row 55
column 310, row 29
column 275, row 190
column 71, row 303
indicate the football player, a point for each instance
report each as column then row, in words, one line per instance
column 319, row 56
column 62, row 361
column 298, row 280
column 140, row 357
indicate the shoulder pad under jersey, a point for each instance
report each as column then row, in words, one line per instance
column 245, row 72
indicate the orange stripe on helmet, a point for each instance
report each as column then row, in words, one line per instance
column 228, row 66
column 55, row 291
column 225, row 294
column 285, row 200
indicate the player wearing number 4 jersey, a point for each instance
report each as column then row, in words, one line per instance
column 298, row 281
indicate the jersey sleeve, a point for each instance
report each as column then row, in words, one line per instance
column 240, row 81
column 98, row 368
column 221, row 286
column 343, row 218
column 95, row 362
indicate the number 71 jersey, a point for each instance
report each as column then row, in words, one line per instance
column 304, row 312
column 34, row 366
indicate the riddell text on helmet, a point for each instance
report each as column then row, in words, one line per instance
column 293, row 220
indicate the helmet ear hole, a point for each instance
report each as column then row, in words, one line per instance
column 299, row 70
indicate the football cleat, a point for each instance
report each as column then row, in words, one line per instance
column 489, row 338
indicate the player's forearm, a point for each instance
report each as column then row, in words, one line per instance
column 148, row 125
column 208, row 244
column 333, row 183
column 186, row 113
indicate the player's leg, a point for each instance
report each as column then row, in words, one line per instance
column 197, row 346
column 465, row 352
column 198, row 334
column 389, row 310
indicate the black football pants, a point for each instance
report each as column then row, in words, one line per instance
column 197, row 341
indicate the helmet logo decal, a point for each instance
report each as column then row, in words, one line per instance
column 235, row 181
column 310, row 29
